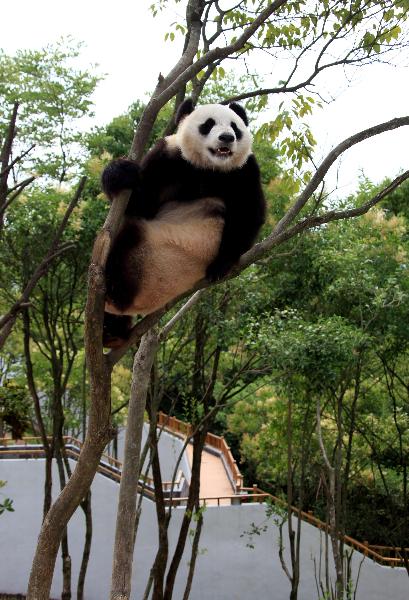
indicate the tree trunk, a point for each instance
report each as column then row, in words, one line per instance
column 126, row 515
column 194, row 491
column 87, row 508
column 65, row 553
column 58, row 516
column 99, row 425
column 161, row 559
column 195, row 550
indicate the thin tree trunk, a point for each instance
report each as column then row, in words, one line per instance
column 99, row 424
column 194, row 491
column 37, row 410
column 332, row 511
column 126, row 516
column 4, row 160
column 66, row 567
column 195, row 550
column 65, row 553
column 87, row 508
column 161, row 559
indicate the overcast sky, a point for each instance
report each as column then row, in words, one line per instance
column 127, row 43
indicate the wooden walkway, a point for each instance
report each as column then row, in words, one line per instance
column 214, row 481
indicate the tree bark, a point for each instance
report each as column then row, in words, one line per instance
column 195, row 551
column 37, row 410
column 126, row 516
column 332, row 511
column 193, row 497
column 87, row 508
column 4, row 160
column 99, row 425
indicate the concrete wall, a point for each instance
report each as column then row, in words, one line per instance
column 170, row 447
column 226, row 568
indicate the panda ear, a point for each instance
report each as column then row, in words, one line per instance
column 239, row 110
column 184, row 109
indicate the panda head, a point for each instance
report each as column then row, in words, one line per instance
column 213, row 136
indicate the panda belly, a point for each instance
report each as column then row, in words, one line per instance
column 178, row 246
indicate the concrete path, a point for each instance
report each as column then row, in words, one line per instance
column 214, row 482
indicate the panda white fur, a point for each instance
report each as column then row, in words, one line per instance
column 196, row 206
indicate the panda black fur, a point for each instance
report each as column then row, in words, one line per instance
column 196, row 206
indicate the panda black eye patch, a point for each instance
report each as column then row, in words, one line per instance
column 206, row 127
column 237, row 131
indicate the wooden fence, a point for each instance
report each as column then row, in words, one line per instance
column 389, row 556
column 30, row 447
column 385, row 555
column 217, row 442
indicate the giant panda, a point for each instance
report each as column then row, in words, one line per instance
column 196, row 206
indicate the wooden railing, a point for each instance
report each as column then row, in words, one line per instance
column 20, row 447
column 217, row 442
column 385, row 555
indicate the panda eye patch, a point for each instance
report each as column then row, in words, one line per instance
column 206, row 127
column 237, row 131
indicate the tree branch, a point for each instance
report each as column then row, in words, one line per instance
column 280, row 234
column 167, row 87
column 128, row 489
column 54, row 251
column 17, row 160
column 19, row 188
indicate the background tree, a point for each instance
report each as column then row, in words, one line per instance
column 282, row 28
column 42, row 96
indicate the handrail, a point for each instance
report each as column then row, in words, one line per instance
column 246, row 494
column 214, row 441
column 255, row 494
column 72, row 441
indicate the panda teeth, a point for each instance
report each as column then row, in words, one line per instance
column 223, row 151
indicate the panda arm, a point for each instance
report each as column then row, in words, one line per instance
column 245, row 214
column 147, row 181
column 162, row 179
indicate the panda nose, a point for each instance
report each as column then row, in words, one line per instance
column 227, row 138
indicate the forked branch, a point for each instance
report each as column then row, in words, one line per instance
column 282, row 232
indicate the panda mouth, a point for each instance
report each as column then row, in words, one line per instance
column 222, row 152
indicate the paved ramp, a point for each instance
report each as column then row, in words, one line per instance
column 214, row 482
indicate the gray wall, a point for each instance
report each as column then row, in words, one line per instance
column 226, row 568
column 170, row 447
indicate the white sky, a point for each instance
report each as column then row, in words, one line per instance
column 128, row 45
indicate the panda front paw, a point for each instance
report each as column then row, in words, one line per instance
column 120, row 174
column 218, row 269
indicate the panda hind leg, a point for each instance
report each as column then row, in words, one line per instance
column 116, row 330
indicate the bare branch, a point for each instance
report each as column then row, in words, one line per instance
column 16, row 160
column 19, row 188
column 54, row 251
column 181, row 312
column 329, row 160
column 7, row 146
column 167, row 87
